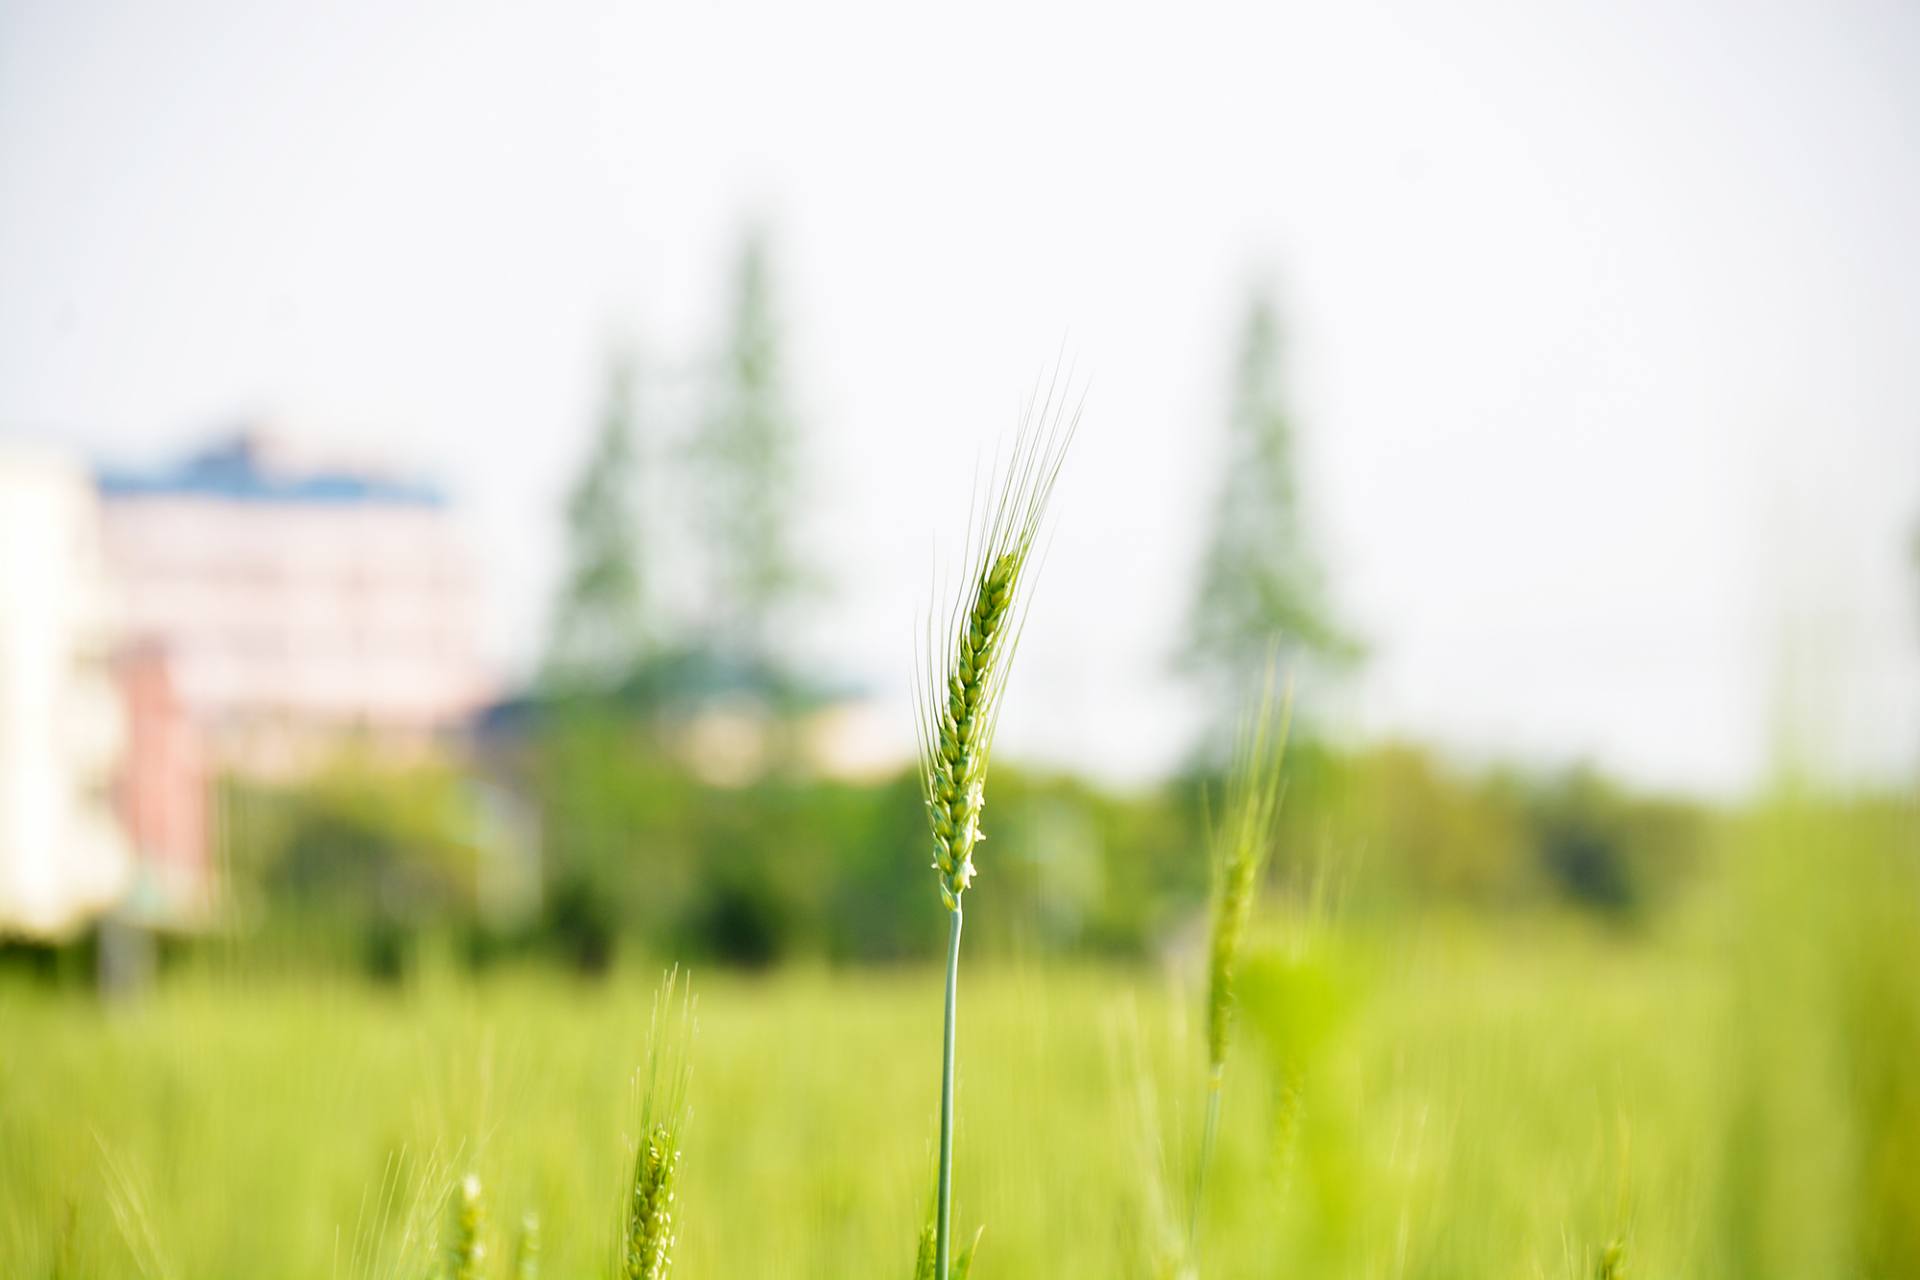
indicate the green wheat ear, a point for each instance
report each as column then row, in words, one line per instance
column 647, row 1215
column 964, row 670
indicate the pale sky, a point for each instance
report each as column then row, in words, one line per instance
column 1605, row 318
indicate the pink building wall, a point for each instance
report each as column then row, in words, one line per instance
column 163, row 793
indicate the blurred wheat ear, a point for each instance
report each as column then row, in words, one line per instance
column 962, row 676
column 466, row 1253
column 526, row 1249
column 1239, row 848
column 647, row 1216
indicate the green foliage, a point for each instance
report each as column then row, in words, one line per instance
column 1606, row 849
column 620, row 822
column 397, row 834
column 365, row 855
column 1418, row 829
column 373, row 863
column 1421, row 829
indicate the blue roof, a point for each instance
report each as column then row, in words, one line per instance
column 232, row 470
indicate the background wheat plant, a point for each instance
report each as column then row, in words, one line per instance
column 1240, row 846
column 963, row 669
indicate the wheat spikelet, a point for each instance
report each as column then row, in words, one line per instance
column 964, row 671
column 650, row 1209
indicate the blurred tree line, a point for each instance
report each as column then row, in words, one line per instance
column 588, row 820
column 641, row 853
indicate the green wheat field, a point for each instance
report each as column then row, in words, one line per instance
column 1729, row 1091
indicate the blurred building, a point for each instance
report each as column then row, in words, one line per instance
column 237, row 610
column 295, row 605
column 64, row 856
column 163, row 796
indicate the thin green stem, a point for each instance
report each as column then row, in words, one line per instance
column 943, row 1212
column 1206, row 1158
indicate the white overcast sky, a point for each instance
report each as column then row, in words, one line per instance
column 1605, row 318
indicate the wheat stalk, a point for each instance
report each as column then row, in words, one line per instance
column 963, row 671
column 1240, row 847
